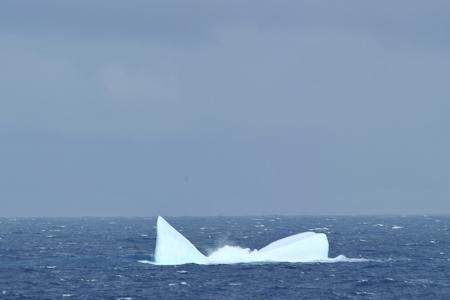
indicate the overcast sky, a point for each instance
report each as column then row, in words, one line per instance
column 140, row 108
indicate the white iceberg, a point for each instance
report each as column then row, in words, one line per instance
column 172, row 248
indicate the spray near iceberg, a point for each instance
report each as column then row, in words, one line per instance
column 172, row 248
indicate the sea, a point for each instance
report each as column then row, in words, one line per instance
column 387, row 257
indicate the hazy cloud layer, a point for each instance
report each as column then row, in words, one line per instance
column 222, row 107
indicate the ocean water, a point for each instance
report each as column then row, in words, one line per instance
column 107, row 258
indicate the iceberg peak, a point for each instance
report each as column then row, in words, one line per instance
column 172, row 248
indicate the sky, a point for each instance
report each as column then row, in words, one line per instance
column 144, row 108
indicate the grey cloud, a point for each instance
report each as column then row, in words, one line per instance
column 300, row 107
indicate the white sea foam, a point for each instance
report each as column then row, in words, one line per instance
column 397, row 227
column 146, row 262
column 343, row 258
column 320, row 229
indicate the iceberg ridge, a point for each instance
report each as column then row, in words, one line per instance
column 172, row 248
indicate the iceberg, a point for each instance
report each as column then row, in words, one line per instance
column 172, row 248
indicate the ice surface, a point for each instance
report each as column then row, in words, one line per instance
column 172, row 248
column 307, row 246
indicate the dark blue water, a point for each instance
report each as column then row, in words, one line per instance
column 98, row 258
